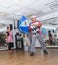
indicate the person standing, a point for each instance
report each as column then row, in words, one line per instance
column 9, row 30
column 34, row 29
column 8, row 40
column 50, row 38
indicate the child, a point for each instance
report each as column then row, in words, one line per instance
column 8, row 40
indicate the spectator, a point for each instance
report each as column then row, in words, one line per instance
column 50, row 37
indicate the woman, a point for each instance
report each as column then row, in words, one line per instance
column 9, row 30
column 50, row 37
column 8, row 40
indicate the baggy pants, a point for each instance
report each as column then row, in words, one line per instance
column 41, row 41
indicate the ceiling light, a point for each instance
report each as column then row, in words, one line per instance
column 2, row 14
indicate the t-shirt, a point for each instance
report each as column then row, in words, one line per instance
column 9, row 39
column 11, row 35
column 34, row 29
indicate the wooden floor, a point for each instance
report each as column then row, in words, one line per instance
column 22, row 58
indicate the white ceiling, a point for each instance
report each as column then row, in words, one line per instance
column 14, row 9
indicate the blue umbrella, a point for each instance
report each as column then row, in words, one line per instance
column 22, row 28
column 22, row 19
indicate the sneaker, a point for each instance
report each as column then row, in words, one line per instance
column 32, row 54
column 45, row 52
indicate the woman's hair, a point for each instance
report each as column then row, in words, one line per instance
column 9, row 27
column 7, row 33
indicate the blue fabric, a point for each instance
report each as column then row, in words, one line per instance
column 24, row 29
column 22, row 19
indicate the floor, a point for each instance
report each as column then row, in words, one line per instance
column 22, row 58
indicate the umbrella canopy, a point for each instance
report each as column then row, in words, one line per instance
column 21, row 27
